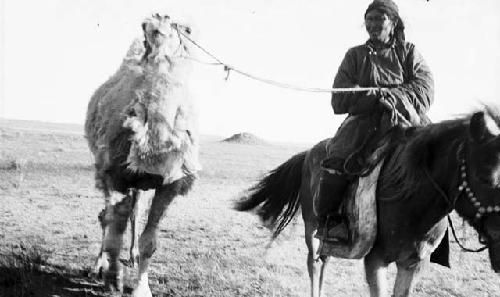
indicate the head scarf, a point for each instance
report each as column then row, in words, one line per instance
column 391, row 9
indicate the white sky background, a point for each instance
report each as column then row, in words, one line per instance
column 55, row 53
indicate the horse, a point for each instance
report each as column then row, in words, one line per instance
column 432, row 170
column 141, row 129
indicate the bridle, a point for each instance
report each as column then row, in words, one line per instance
column 178, row 52
column 465, row 189
column 181, row 41
column 481, row 210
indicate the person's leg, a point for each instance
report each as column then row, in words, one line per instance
column 327, row 201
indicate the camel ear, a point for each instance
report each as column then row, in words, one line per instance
column 483, row 127
column 147, row 47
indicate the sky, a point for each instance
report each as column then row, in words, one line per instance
column 55, row 53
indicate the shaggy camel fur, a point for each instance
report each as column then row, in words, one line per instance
column 141, row 127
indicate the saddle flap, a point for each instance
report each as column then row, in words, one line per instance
column 361, row 211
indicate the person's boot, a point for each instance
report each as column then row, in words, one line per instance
column 332, row 226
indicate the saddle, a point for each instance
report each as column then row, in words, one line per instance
column 360, row 204
column 360, row 209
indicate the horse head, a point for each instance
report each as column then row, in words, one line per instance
column 480, row 174
column 163, row 37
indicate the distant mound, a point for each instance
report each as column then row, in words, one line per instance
column 244, row 138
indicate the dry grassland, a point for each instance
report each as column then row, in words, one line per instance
column 49, row 233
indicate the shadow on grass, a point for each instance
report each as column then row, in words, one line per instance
column 45, row 281
column 24, row 271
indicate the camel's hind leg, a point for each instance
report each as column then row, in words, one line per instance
column 406, row 278
column 147, row 243
column 315, row 265
column 115, row 219
column 376, row 275
column 134, row 228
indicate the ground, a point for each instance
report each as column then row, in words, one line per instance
column 50, row 235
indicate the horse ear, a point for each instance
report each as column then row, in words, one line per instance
column 483, row 127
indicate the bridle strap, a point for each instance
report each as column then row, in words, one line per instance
column 181, row 43
column 451, row 203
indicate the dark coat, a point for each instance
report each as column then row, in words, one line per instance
column 399, row 67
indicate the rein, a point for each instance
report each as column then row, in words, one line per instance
column 463, row 188
column 458, row 241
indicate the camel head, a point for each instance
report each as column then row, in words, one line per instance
column 162, row 37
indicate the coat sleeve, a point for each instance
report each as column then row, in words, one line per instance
column 415, row 96
column 352, row 103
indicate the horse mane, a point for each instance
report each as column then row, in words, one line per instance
column 493, row 112
column 406, row 170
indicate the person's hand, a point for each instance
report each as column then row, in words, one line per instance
column 367, row 102
column 389, row 103
column 375, row 94
column 387, row 100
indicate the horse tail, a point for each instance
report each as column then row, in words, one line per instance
column 276, row 196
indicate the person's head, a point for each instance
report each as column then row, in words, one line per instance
column 383, row 22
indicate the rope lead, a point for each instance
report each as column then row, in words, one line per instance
column 228, row 68
column 396, row 115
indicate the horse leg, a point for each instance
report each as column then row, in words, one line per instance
column 134, row 228
column 406, row 277
column 376, row 274
column 115, row 222
column 315, row 265
column 147, row 242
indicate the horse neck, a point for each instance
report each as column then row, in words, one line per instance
column 443, row 172
column 431, row 186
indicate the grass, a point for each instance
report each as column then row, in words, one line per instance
column 50, row 234
column 25, row 271
column 22, row 261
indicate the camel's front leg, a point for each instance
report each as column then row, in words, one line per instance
column 376, row 275
column 134, row 228
column 100, row 262
column 115, row 219
column 406, row 277
column 315, row 265
column 147, row 243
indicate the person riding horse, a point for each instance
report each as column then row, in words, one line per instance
column 406, row 92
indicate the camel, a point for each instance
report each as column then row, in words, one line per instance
column 141, row 129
